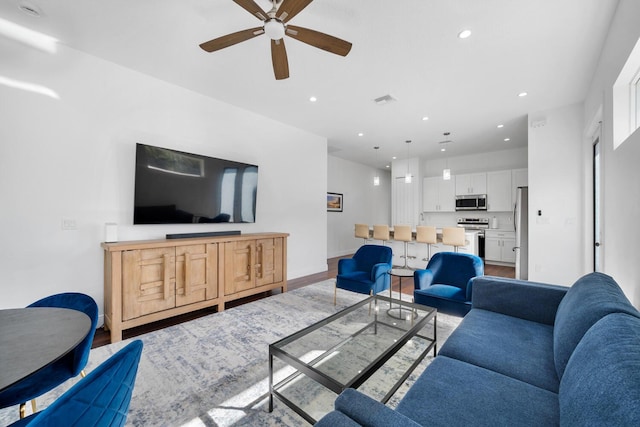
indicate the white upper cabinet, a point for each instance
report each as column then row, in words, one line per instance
column 499, row 191
column 473, row 183
column 438, row 195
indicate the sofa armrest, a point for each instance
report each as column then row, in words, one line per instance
column 422, row 279
column 533, row 301
column 368, row 412
column 346, row 265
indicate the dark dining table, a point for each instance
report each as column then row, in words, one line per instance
column 33, row 338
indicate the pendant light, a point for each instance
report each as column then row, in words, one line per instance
column 407, row 177
column 376, row 178
column 446, row 172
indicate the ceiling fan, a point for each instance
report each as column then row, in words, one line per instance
column 276, row 27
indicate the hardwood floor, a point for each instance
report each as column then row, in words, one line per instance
column 102, row 337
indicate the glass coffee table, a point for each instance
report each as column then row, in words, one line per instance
column 359, row 347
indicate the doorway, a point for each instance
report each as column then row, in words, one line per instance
column 597, row 202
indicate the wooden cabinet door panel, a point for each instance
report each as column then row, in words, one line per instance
column 196, row 273
column 148, row 281
column 268, row 261
column 239, row 260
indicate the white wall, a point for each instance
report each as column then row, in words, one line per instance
column 556, row 188
column 73, row 157
column 363, row 203
column 621, row 194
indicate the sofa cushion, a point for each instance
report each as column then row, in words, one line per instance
column 515, row 347
column 601, row 382
column 591, row 298
column 454, row 393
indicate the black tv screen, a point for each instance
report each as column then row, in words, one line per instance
column 174, row 187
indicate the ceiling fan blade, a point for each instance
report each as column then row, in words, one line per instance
column 320, row 40
column 279, row 59
column 251, row 7
column 290, row 8
column 231, row 39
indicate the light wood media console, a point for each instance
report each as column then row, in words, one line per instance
column 151, row 280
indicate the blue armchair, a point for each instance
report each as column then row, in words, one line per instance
column 101, row 399
column 65, row 368
column 446, row 284
column 366, row 272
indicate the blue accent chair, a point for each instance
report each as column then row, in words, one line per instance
column 67, row 367
column 446, row 284
column 366, row 272
column 100, row 399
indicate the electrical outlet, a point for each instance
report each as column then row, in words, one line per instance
column 69, row 224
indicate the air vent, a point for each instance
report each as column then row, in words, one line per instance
column 386, row 99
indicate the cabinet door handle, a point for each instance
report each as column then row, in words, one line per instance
column 187, row 273
column 167, row 282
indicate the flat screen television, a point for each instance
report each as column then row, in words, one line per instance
column 174, row 187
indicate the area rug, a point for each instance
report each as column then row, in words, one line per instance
column 213, row 371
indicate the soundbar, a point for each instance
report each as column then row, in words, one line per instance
column 203, row 234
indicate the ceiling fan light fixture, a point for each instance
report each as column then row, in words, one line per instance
column 274, row 29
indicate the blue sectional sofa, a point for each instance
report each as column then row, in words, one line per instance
column 527, row 354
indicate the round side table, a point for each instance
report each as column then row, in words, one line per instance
column 399, row 312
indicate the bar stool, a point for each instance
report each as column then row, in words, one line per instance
column 381, row 232
column 362, row 232
column 402, row 233
column 453, row 236
column 426, row 234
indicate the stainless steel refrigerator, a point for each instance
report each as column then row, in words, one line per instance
column 521, row 224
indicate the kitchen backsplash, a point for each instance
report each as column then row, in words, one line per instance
column 450, row 219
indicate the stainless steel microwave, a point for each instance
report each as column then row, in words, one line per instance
column 477, row 202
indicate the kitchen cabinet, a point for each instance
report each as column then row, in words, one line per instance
column 438, row 195
column 498, row 246
column 151, row 280
column 499, row 191
column 474, row 183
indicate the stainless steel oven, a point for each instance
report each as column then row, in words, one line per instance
column 479, row 224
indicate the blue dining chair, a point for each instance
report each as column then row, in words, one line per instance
column 100, row 399
column 366, row 272
column 69, row 366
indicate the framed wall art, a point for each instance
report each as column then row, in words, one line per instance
column 334, row 202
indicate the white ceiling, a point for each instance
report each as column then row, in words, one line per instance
column 406, row 48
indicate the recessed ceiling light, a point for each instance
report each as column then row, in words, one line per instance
column 425, row 118
column 387, row 166
column 521, row 94
column 360, row 134
column 500, row 126
column 443, row 149
column 507, row 139
column 464, row 34
column 394, row 157
column 313, row 99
